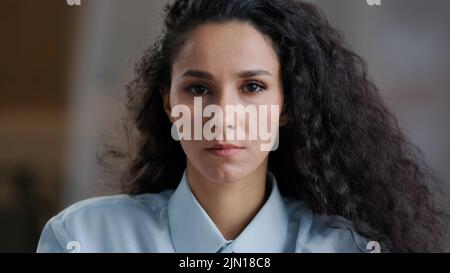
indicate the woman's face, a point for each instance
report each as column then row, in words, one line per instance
column 227, row 64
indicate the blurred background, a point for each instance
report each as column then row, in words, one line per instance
column 63, row 70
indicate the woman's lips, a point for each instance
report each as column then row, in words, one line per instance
column 224, row 150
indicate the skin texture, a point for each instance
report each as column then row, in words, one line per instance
column 231, row 189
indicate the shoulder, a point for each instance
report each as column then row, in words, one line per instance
column 119, row 205
column 91, row 219
column 323, row 233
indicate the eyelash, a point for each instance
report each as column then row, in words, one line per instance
column 260, row 85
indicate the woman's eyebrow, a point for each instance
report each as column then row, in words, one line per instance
column 252, row 73
column 209, row 76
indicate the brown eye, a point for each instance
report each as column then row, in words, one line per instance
column 197, row 90
column 253, row 88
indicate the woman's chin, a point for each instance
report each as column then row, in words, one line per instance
column 224, row 173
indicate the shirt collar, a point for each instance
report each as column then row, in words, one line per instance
column 192, row 230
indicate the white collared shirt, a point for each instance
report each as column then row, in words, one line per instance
column 174, row 221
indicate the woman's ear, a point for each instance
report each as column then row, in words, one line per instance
column 165, row 94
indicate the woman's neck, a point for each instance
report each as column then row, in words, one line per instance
column 231, row 205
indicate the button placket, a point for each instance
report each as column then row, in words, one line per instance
column 225, row 248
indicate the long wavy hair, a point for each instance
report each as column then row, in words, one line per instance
column 342, row 151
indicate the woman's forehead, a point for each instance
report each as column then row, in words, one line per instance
column 227, row 47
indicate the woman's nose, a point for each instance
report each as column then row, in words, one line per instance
column 226, row 99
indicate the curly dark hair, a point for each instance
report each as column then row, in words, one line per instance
column 342, row 151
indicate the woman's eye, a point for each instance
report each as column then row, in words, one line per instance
column 253, row 88
column 198, row 90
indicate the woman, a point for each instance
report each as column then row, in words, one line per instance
column 339, row 175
